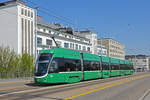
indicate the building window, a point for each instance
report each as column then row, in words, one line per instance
column 59, row 43
column 31, row 14
column 66, row 45
column 76, row 46
column 84, row 49
column 88, row 48
column 44, row 30
column 25, row 35
column 28, row 13
column 79, row 47
column 22, row 26
column 39, row 40
column 104, row 52
column 71, row 45
column 49, row 31
column 25, row 12
column 48, row 42
column 32, row 32
column 29, row 36
column 22, row 11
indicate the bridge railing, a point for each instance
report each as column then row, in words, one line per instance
column 16, row 74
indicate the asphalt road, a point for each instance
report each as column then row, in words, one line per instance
column 125, row 88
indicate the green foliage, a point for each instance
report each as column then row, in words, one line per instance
column 13, row 65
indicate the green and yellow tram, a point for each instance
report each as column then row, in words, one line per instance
column 61, row 65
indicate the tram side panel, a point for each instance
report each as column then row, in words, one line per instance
column 105, row 67
column 91, row 65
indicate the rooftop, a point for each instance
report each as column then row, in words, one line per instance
column 12, row 2
column 136, row 56
column 59, row 27
column 111, row 39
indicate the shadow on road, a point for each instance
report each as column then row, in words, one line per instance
column 43, row 85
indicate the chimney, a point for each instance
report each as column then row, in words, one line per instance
column 39, row 18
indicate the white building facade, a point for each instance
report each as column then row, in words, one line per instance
column 64, row 37
column 141, row 62
column 114, row 48
column 93, row 39
column 17, row 25
column 101, row 50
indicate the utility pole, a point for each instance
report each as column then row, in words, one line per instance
column 135, row 61
column 101, row 44
column 101, row 56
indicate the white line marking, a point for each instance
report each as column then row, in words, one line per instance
column 65, row 85
column 145, row 94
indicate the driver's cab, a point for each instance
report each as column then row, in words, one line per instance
column 43, row 63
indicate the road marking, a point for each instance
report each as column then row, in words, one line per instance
column 145, row 94
column 108, row 86
column 39, row 89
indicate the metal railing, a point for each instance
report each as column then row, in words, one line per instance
column 16, row 74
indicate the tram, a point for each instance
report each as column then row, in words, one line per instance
column 60, row 65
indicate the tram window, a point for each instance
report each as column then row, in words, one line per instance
column 54, row 66
column 65, row 65
column 91, row 65
column 105, row 66
column 72, row 65
column 122, row 66
column 45, row 56
column 128, row 67
column 87, row 66
column 78, row 65
column 114, row 66
column 95, row 65
column 131, row 67
column 125, row 67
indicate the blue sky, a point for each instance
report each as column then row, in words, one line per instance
column 127, row 21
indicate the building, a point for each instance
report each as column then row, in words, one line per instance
column 18, row 22
column 101, row 50
column 114, row 48
column 17, row 25
column 141, row 62
column 93, row 39
column 65, row 37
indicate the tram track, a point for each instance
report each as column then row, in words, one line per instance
column 58, row 88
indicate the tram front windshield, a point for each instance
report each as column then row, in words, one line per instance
column 42, row 64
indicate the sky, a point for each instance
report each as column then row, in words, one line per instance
column 127, row 21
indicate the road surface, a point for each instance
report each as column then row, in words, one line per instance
column 134, row 87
